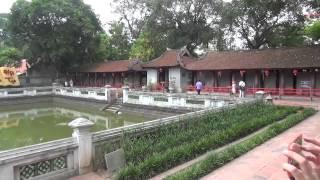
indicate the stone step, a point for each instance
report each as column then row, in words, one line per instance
column 112, row 110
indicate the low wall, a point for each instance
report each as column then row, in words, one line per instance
column 99, row 94
column 52, row 160
column 65, row 158
column 177, row 101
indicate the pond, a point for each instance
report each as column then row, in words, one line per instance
column 37, row 123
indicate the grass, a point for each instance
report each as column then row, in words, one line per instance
column 218, row 159
column 150, row 154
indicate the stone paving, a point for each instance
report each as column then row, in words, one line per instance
column 265, row 161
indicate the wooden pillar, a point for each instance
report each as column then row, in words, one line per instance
column 133, row 78
column 192, row 77
column 232, row 77
column 256, row 79
column 95, row 79
column 215, row 79
column 313, row 79
column 281, row 82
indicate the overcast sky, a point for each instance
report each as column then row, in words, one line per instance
column 101, row 7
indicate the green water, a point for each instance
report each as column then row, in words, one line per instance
column 21, row 126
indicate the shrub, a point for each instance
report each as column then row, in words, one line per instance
column 149, row 154
column 218, row 159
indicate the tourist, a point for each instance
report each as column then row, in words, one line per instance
column 242, row 86
column 307, row 157
column 233, row 88
column 65, row 83
column 198, row 86
column 71, row 83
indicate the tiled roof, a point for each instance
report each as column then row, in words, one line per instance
column 170, row 58
column 112, row 66
column 259, row 59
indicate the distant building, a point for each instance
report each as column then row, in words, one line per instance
column 280, row 69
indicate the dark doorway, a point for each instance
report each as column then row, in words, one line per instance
column 163, row 75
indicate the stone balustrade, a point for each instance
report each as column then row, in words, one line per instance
column 76, row 155
column 100, row 94
column 177, row 100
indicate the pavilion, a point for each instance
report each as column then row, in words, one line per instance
column 288, row 71
column 113, row 73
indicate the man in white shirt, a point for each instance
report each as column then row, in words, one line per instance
column 242, row 86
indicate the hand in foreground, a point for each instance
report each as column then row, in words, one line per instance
column 308, row 163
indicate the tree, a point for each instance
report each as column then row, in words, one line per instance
column 313, row 31
column 142, row 48
column 190, row 23
column 56, row 32
column 118, row 44
column 9, row 56
column 259, row 21
column 4, row 39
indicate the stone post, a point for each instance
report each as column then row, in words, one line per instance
column 125, row 90
column 81, row 132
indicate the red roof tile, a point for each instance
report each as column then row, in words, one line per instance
column 259, row 59
column 170, row 58
column 112, row 66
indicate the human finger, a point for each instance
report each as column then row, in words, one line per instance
column 312, row 140
column 295, row 147
column 315, row 150
column 312, row 158
column 293, row 171
column 302, row 161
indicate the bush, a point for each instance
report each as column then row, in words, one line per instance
column 149, row 154
column 218, row 159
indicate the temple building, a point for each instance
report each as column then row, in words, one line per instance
column 114, row 73
column 280, row 70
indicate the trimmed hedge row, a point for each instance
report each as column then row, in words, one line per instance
column 163, row 160
column 141, row 148
column 218, row 159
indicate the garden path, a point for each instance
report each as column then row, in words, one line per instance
column 265, row 161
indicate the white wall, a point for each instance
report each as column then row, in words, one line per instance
column 152, row 76
column 175, row 75
column 186, row 78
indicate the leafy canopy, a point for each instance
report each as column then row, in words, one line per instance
column 56, row 32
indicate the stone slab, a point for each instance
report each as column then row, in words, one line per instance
column 115, row 160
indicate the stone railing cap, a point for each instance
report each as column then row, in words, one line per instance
column 80, row 122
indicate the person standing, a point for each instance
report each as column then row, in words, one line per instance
column 242, row 86
column 65, row 83
column 71, row 83
column 198, row 86
column 233, row 88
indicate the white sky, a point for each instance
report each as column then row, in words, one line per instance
column 101, row 7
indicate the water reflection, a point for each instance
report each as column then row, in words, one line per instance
column 34, row 125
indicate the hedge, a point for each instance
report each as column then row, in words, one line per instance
column 224, row 126
column 218, row 159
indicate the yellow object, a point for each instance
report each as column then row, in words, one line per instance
column 8, row 77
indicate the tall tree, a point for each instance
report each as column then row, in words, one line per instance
column 190, row 23
column 57, row 32
column 313, row 31
column 4, row 39
column 142, row 48
column 259, row 21
column 119, row 44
